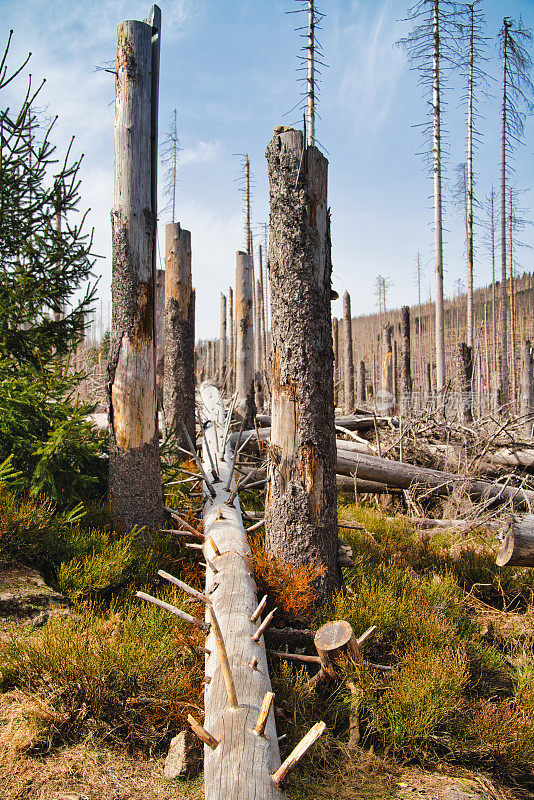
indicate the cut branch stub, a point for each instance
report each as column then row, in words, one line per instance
column 334, row 640
column 202, row 733
column 198, row 623
column 223, row 657
column 259, row 728
column 296, row 754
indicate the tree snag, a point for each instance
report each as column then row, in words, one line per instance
column 348, row 362
column 134, row 465
column 300, row 511
column 179, row 378
column 244, row 374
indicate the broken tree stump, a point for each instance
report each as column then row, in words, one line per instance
column 300, row 508
column 134, row 464
column 517, row 549
column 179, row 327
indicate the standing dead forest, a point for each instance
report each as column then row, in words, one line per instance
column 255, row 543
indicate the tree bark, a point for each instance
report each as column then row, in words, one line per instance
column 406, row 399
column 300, row 511
column 348, row 362
column 244, row 376
column 222, row 343
column 527, row 389
column 335, row 342
column 464, row 373
column 179, row 378
column 134, row 469
column 160, row 314
column 361, row 389
column 231, row 342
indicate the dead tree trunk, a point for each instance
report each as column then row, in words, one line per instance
column 244, row 375
column 134, row 465
column 527, row 389
column 232, row 593
column 348, row 362
column 231, row 343
column 160, row 314
column 222, row 343
column 258, row 349
column 517, row 549
column 335, row 342
column 179, row 378
column 361, row 389
column 464, row 372
column 406, row 399
column 300, row 511
column 387, row 401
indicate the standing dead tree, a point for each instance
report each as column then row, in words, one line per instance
column 222, row 343
column 244, row 374
column 516, row 88
column 300, row 511
column 406, row 400
column 134, row 472
column 179, row 376
column 431, row 48
column 231, row 340
column 348, row 359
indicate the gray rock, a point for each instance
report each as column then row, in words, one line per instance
column 184, row 756
column 24, row 596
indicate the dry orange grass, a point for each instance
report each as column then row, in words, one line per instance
column 292, row 587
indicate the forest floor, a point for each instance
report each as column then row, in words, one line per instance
column 92, row 698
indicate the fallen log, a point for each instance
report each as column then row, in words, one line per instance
column 404, row 476
column 517, row 549
column 243, row 763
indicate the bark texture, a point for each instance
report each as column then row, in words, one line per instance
column 134, row 472
column 159, row 317
column 300, row 514
column 244, row 376
column 406, row 399
column 348, row 361
column 222, row 343
column 464, row 373
column 179, row 379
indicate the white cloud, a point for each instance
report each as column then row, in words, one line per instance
column 201, row 153
column 373, row 65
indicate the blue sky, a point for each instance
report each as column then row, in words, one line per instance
column 228, row 68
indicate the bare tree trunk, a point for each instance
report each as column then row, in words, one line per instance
column 335, row 341
column 361, row 391
column 527, row 389
column 512, row 309
column 438, row 210
column 464, row 371
column 244, row 376
column 505, row 382
column 258, row 350
column 406, row 400
column 222, row 343
column 231, row 343
column 160, row 314
column 179, row 379
column 348, row 363
column 470, row 180
column 300, row 512
column 134, row 466
column 387, row 401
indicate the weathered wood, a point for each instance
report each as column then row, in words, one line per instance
column 242, row 764
column 300, row 509
column 231, row 340
column 222, row 342
column 332, row 641
column 179, row 376
column 527, row 389
column 362, row 394
column 134, row 465
column 386, row 401
column 296, row 754
column 173, row 610
column 464, row 374
column 244, row 376
column 406, row 386
column 517, row 549
column 335, row 343
column 202, row 733
column 348, row 363
column 403, row 476
column 263, row 716
column 159, row 334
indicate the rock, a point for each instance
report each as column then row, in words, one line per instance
column 25, row 597
column 184, row 756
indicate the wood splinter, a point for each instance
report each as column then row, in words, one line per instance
column 198, row 623
column 223, row 658
column 261, row 605
column 259, row 728
column 294, row 757
column 253, row 664
column 264, row 625
column 202, row 733
column 184, row 586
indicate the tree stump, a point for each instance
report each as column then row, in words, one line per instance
column 333, row 642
